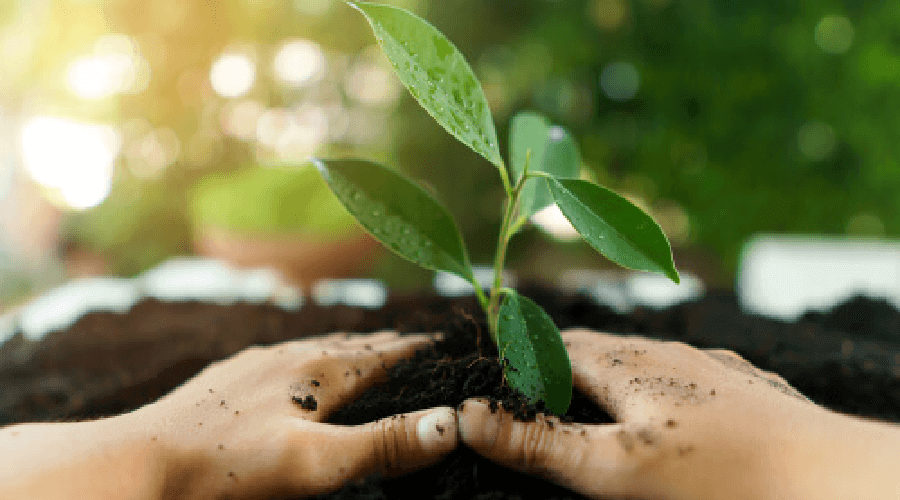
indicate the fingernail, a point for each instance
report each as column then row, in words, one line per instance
column 473, row 416
column 436, row 427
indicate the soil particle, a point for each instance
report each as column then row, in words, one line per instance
column 712, row 392
column 647, row 437
column 222, row 403
column 440, row 429
column 671, row 424
column 307, row 403
column 152, row 438
column 315, row 383
column 221, row 447
column 232, row 475
column 236, row 412
column 684, row 450
column 625, row 440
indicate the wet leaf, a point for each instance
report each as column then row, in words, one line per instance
column 399, row 214
column 437, row 76
column 614, row 226
column 537, row 362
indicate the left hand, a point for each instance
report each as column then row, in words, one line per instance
column 234, row 431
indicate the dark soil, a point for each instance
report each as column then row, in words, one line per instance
column 847, row 359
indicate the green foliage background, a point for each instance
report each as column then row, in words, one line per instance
column 725, row 89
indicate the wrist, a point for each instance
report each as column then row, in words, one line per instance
column 100, row 459
column 144, row 453
column 831, row 455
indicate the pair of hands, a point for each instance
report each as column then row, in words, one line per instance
column 690, row 423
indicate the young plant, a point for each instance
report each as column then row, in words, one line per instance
column 545, row 166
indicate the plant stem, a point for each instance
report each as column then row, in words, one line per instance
column 482, row 298
column 510, row 214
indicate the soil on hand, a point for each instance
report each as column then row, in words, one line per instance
column 107, row 363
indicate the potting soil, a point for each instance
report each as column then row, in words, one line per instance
column 847, row 359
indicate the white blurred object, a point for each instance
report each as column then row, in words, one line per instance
column 654, row 290
column 289, row 298
column 192, row 278
column 371, row 294
column 784, row 276
column 7, row 327
column 552, row 221
column 258, row 285
column 451, row 285
column 62, row 306
column 624, row 290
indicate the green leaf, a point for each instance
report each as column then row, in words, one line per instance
column 561, row 160
column 527, row 130
column 553, row 151
column 536, row 360
column 614, row 226
column 399, row 214
column 437, row 76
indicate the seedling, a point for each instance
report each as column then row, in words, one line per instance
column 545, row 166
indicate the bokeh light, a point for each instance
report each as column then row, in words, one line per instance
column 620, row 81
column 834, row 34
column 72, row 159
column 299, row 63
column 609, row 14
column 816, row 140
column 239, row 119
column 115, row 67
column 292, row 135
column 371, row 81
column 233, row 75
column 867, row 225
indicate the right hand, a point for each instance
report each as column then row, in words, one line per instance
column 691, row 424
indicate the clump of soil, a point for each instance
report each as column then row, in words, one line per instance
column 109, row 363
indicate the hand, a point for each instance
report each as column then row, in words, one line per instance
column 234, row 431
column 691, row 424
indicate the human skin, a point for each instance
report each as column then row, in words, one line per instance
column 690, row 424
column 233, row 431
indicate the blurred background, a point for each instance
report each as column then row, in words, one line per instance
column 132, row 132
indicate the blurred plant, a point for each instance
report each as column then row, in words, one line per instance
column 270, row 200
column 545, row 166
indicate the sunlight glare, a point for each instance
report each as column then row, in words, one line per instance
column 72, row 159
column 115, row 67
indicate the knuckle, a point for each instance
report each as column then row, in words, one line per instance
column 537, row 446
column 391, row 442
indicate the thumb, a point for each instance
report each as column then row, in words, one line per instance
column 403, row 443
column 583, row 458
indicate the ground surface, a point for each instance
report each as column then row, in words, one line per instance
column 847, row 359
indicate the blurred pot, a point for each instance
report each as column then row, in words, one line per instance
column 302, row 259
column 283, row 217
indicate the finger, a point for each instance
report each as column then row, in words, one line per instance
column 591, row 460
column 399, row 444
column 339, row 377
